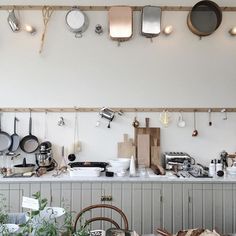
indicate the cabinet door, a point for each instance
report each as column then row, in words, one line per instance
column 84, row 195
column 146, row 207
column 15, row 195
column 187, row 206
column 167, row 207
column 141, row 203
column 229, row 211
column 202, row 206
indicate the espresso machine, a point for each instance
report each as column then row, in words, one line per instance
column 44, row 158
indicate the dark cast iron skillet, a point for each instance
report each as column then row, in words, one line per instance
column 29, row 143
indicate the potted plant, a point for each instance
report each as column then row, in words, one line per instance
column 38, row 226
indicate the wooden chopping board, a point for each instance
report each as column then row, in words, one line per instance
column 154, row 143
column 126, row 149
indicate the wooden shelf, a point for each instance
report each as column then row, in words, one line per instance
column 116, row 109
column 99, row 8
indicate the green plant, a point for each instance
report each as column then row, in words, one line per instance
column 36, row 225
column 3, row 213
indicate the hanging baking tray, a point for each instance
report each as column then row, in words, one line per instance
column 120, row 23
column 151, row 21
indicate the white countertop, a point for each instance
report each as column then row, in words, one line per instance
column 167, row 178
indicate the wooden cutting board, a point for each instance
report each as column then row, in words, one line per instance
column 154, row 133
column 143, row 149
column 126, row 149
column 155, row 153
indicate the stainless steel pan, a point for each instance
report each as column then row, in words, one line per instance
column 151, row 21
column 120, row 23
column 5, row 138
column 76, row 21
column 15, row 139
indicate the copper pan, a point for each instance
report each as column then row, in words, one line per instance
column 120, row 23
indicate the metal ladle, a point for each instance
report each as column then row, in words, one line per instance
column 195, row 132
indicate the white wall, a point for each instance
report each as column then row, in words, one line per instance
column 175, row 71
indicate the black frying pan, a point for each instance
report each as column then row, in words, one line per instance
column 15, row 139
column 5, row 139
column 29, row 143
column 204, row 18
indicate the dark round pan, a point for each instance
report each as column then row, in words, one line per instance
column 5, row 139
column 204, row 18
column 15, row 139
column 29, row 143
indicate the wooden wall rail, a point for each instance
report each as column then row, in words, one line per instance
column 123, row 109
column 100, row 8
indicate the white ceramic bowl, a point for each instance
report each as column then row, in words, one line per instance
column 231, row 170
column 121, row 163
column 12, row 228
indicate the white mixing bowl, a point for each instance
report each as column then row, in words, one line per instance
column 121, row 163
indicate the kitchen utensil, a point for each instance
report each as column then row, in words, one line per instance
column 5, row 138
column 47, row 13
column 29, row 143
column 24, row 167
column 209, row 118
column 135, row 122
column 77, row 21
column 126, row 148
column 77, row 144
column 61, row 121
column 63, row 157
column 15, row 139
column 181, row 122
column 13, row 21
column 165, row 118
column 195, row 132
column 154, row 133
column 155, row 153
column 204, row 18
column 107, row 114
column 120, row 23
column 44, row 158
column 151, row 21
column 98, row 29
column 224, row 111
column 71, row 157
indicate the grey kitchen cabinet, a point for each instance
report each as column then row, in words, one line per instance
column 173, row 209
column 141, row 203
column 210, row 206
column 147, row 205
